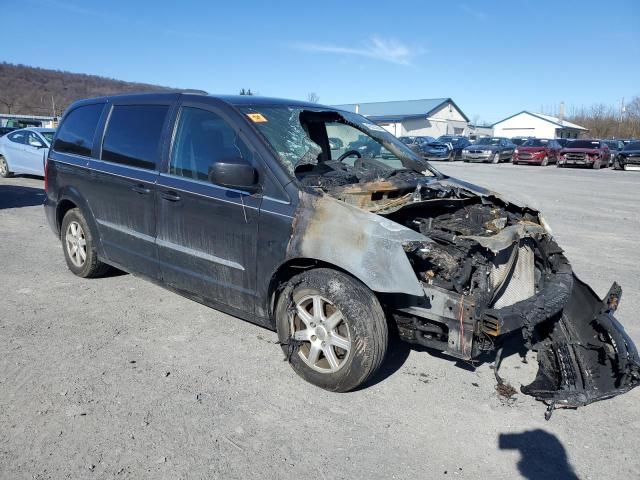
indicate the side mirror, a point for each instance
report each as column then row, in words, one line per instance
column 234, row 173
column 35, row 143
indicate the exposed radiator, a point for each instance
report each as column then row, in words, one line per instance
column 513, row 275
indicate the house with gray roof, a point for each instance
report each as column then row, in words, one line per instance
column 430, row 116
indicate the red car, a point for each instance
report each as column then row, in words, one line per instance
column 537, row 151
column 585, row 153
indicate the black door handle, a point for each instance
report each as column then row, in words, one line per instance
column 170, row 195
column 141, row 189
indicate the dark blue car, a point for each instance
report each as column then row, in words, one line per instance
column 446, row 147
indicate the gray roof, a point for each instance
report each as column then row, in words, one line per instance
column 399, row 108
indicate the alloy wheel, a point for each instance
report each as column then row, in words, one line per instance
column 4, row 168
column 322, row 332
column 76, row 244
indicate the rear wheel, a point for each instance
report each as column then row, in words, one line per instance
column 79, row 246
column 332, row 329
column 4, row 168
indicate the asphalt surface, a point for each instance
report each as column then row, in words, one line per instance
column 119, row 378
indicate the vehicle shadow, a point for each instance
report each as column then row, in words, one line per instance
column 397, row 353
column 542, row 455
column 16, row 196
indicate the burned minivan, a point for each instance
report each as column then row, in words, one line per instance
column 321, row 225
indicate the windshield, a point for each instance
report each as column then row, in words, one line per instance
column 48, row 136
column 613, row 145
column 536, row 142
column 632, row 146
column 300, row 138
column 584, row 144
column 488, row 141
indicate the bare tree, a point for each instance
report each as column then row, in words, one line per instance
column 313, row 97
column 605, row 121
column 8, row 104
column 246, row 92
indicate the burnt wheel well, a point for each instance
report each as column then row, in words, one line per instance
column 63, row 207
column 290, row 269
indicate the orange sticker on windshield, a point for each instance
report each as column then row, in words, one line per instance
column 257, row 117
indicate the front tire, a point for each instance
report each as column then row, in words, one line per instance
column 79, row 246
column 545, row 161
column 5, row 172
column 332, row 329
column 496, row 158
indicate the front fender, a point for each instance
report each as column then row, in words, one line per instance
column 366, row 245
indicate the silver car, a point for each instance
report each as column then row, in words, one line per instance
column 24, row 151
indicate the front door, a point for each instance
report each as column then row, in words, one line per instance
column 35, row 151
column 207, row 234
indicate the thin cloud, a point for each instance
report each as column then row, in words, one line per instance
column 477, row 14
column 386, row 50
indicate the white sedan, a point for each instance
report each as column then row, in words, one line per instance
column 25, row 151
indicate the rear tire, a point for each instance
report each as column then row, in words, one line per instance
column 5, row 172
column 332, row 329
column 79, row 246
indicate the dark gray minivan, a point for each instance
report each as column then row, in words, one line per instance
column 241, row 203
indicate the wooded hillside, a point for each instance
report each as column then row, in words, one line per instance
column 29, row 90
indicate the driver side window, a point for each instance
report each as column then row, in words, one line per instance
column 203, row 138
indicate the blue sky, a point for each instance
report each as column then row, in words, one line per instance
column 493, row 58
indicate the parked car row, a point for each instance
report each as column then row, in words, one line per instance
column 445, row 147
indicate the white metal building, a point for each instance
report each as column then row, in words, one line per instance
column 527, row 124
column 15, row 120
column 433, row 117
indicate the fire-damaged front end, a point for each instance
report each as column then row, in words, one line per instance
column 456, row 267
column 485, row 269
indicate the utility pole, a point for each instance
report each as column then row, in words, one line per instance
column 53, row 105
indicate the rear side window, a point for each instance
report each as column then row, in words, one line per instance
column 18, row 137
column 76, row 133
column 133, row 135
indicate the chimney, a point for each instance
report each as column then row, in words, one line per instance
column 561, row 114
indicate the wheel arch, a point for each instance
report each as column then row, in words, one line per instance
column 288, row 270
column 70, row 198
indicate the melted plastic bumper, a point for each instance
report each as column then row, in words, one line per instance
column 586, row 355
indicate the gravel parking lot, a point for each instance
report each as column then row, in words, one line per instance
column 117, row 377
